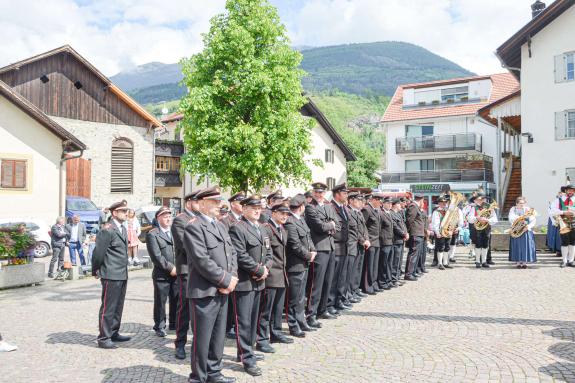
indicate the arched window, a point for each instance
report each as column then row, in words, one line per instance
column 122, row 166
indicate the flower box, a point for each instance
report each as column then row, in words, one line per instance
column 21, row 275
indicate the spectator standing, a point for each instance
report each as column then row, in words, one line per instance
column 76, row 235
column 134, row 231
column 58, row 243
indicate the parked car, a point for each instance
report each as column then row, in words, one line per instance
column 87, row 211
column 146, row 216
column 38, row 228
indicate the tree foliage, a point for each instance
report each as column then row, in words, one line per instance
column 242, row 123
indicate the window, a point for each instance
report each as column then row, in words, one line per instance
column 419, row 165
column 565, row 125
column 329, row 156
column 122, row 166
column 445, row 163
column 457, row 94
column 565, row 67
column 570, row 174
column 330, row 183
column 167, row 164
column 418, row 130
column 13, row 174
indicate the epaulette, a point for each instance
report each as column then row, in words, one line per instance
column 154, row 230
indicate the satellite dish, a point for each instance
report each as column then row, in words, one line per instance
column 165, row 110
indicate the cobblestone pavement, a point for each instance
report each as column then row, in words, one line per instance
column 462, row 325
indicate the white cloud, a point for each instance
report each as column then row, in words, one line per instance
column 118, row 34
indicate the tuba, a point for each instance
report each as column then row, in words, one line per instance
column 485, row 213
column 563, row 227
column 451, row 219
column 519, row 226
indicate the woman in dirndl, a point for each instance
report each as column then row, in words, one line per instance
column 522, row 249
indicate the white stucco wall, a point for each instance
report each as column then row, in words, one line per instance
column 544, row 161
column 24, row 138
column 98, row 137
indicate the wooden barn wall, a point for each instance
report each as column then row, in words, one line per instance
column 59, row 97
column 78, row 177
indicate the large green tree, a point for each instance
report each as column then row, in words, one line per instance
column 242, row 123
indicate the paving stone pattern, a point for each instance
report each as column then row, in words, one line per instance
column 462, row 325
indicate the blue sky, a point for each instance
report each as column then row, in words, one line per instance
column 117, row 35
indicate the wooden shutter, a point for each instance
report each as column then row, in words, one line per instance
column 13, row 174
column 122, row 166
column 560, row 125
column 560, row 68
column 7, row 173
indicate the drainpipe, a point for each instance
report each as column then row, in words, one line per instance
column 498, row 160
column 62, row 189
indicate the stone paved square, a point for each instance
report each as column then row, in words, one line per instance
column 462, row 325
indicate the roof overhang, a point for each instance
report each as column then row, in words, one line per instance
column 507, row 109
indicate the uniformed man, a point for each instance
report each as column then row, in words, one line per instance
column 308, row 196
column 300, row 253
column 110, row 264
column 275, row 198
column 441, row 243
column 212, row 267
column 358, row 243
column 400, row 235
column 160, row 247
column 337, row 301
column 322, row 221
column 273, row 298
column 415, row 223
column 191, row 210
column 386, row 246
column 253, row 247
column 482, row 237
column 563, row 208
column 236, row 208
column 371, row 263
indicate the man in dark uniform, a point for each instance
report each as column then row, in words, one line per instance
column 400, row 235
column 273, row 298
column 415, row 223
column 386, row 243
column 183, row 310
column 161, row 250
column 322, row 221
column 275, row 198
column 300, row 252
column 236, row 209
column 212, row 267
column 110, row 264
column 358, row 243
column 337, row 301
column 253, row 247
column 371, row 263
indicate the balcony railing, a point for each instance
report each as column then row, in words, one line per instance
column 169, row 148
column 168, row 178
column 448, row 175
column 447, row 143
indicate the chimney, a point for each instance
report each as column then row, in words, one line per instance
column 536, row 8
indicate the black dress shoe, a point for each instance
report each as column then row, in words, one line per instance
column 221, row 379
column 107, row 344
column 477, row 265
column 120, row 338
column 377, row 290
column 441, row 267
column 410, row 278
column 342, row 307
column 485, row 265
column 448, row 266
column 371, row 292
column 231, row 334
column 333, row 311
column 325, row 315
column 180, row 353
column 281, row 339
column 300, row 333
column 265, row 348
column 161, row 333
column 492, row 263
column 424, row 271
column 257, row 357
column 253, row 370
column 307, row 328
column 313, row 322
column 361, row 294
column 453, row 260
column 355, row 300
column 386, row 287
column 434, row 264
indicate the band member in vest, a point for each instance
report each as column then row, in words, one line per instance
column 472, row 233
column 553, row 240
column 273, row 297
column 455, row 237
column 191, row 210
column 416, row 225
column 212, row 267
column 441, row 243
column 372, row 219
column 161, row 250
column 386, row 245
column 400, row 235
column 275, row 198
column 254, row 252
column 110, row 264
column 322, row 221
column 300, row 252
column 482, row 237
column 564, row 209
column 522, row 249
column 361, row 244
column 337, row 300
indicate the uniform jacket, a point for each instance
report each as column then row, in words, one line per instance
column 363, row 233
column 211, row 257
column 161, row 250
column 110, row 256
column 373, row 223
column 399, row 228
column 386, row 233
column 58, row 235
column 415, row 220
column 254, row 252
column 265, row 215
column 318, row 219
column 178, row 230
column 81, row 232
column 230, row 221
column 277, row 277
column 341, row 236
column 356, row 234
column 299, row 244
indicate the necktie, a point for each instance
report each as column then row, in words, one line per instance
column 568, row 201
column 343, row 212
column 124, row 233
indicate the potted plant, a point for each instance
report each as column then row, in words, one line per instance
column 17, row 267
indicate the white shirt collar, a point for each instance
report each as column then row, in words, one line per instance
column 117, row 223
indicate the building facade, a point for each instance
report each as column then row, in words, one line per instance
column 436, row 139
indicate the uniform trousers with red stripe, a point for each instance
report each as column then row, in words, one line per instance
column 182, row 312
column 296, row 300
column 246, row 309
column 110, row 318
column 270, row 319
column 208, row 320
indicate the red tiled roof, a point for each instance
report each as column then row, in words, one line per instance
column 176, row 116
column 503, row 84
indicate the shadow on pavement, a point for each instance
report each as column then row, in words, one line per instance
column 141, row 373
